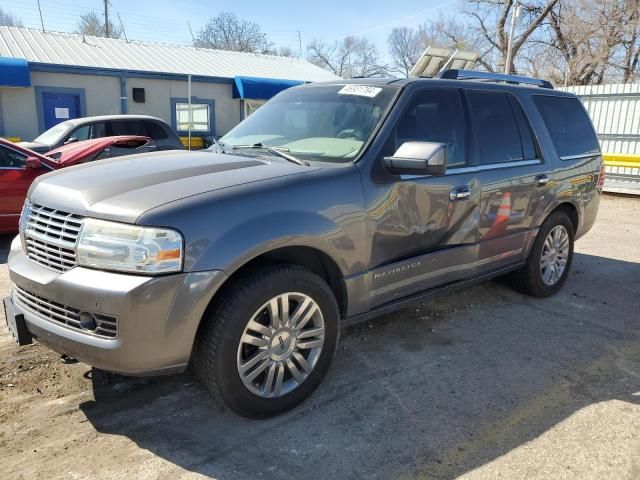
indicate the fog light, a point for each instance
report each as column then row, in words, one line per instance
column 87, row 321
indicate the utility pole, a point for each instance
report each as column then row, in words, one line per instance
column 507, row 65
column 300, row 43
column 106, row 18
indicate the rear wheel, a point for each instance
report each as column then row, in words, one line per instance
column 269, row 342
column 550, row 258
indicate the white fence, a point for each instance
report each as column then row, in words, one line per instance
column 615, row 112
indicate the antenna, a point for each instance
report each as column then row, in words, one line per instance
column 122, row 27
column 41, row 20
column 193, row 39
column 300, row 43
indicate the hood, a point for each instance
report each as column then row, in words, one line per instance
column 35, row 146
column 123, row 188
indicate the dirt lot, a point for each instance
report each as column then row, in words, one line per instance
column 483, row 384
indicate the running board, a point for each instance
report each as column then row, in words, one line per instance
column 405, row 302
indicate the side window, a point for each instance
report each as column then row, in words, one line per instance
column 496, row 127
column 128, row 127
column 529, row 149
column 154, row 130
column 435, row 116
column 81, row 133
column 568, row 125
column 11, row 159
column 99, row 130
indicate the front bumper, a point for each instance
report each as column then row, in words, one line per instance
column 157, row 317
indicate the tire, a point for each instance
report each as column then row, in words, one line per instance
column 241, row 322
column 531, row 279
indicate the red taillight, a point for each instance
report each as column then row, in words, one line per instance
column 601, row 176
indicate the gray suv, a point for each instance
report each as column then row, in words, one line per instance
column 331, row 204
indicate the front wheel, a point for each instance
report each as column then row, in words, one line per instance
column 269, row 342
column 550, row 259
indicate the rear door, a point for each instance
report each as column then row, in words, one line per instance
column 509, row 165
column 423, row 228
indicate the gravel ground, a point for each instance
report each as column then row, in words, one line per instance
column 479, row 384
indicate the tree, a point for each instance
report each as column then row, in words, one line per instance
column 351, row 57
column 490, row 17
column 8, row 19
column 228, row 32
column 285, row 52
column 589, row 42
column 92, row 24
column 405, row 48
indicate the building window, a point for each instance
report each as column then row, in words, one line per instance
column 250, row 106
column 199, row 117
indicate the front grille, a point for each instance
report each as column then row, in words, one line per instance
column 96, row 324
column 50, row 237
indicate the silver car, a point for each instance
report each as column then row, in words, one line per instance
column 87, row 128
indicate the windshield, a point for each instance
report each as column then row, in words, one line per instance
column 54, row 134
column 329, row 123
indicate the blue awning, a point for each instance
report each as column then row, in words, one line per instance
column 14, row 72
column 260, row 88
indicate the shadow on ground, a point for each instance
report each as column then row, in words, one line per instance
column 5, row 244
column 433, row 391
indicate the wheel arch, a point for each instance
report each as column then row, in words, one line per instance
column 311, row 258
column 572, row 212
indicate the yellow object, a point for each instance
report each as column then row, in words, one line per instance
column 631, row 160
column 196, row 142
column 13, row 139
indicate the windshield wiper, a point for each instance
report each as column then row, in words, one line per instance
column 279, row 151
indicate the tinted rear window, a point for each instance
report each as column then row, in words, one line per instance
column 568, row 125
column 496, row 126
column 128, row 127
column 155, row 130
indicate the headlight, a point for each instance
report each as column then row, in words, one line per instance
column 129, row 248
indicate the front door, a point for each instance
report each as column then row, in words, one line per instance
column 58, row 107
column 15, row 180
column 423, row 228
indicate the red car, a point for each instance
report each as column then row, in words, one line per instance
column 19, row 167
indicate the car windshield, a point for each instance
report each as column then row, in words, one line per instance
column 329, row 123
column 54, row 134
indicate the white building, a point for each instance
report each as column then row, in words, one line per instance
column 47, row 77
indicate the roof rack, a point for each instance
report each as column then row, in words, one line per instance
column 455, row 74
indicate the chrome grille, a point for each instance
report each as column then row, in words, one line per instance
column 50, row 237
column 102, row 325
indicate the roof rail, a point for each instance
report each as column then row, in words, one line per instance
column 454, row 74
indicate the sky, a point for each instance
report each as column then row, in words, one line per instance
column 166, row 20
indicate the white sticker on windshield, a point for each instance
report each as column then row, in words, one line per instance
column 361, row 90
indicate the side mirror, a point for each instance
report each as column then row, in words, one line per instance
column 32, row 162
column 71, row 140
column 418, row 158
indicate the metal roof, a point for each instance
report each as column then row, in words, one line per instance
column 74, row 50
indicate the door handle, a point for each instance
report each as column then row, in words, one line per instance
column 541, row 180
column 460, row 193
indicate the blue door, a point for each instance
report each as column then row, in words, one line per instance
column 58, row 107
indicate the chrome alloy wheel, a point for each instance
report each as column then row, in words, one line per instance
column 555, row 254
column 280, row 345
